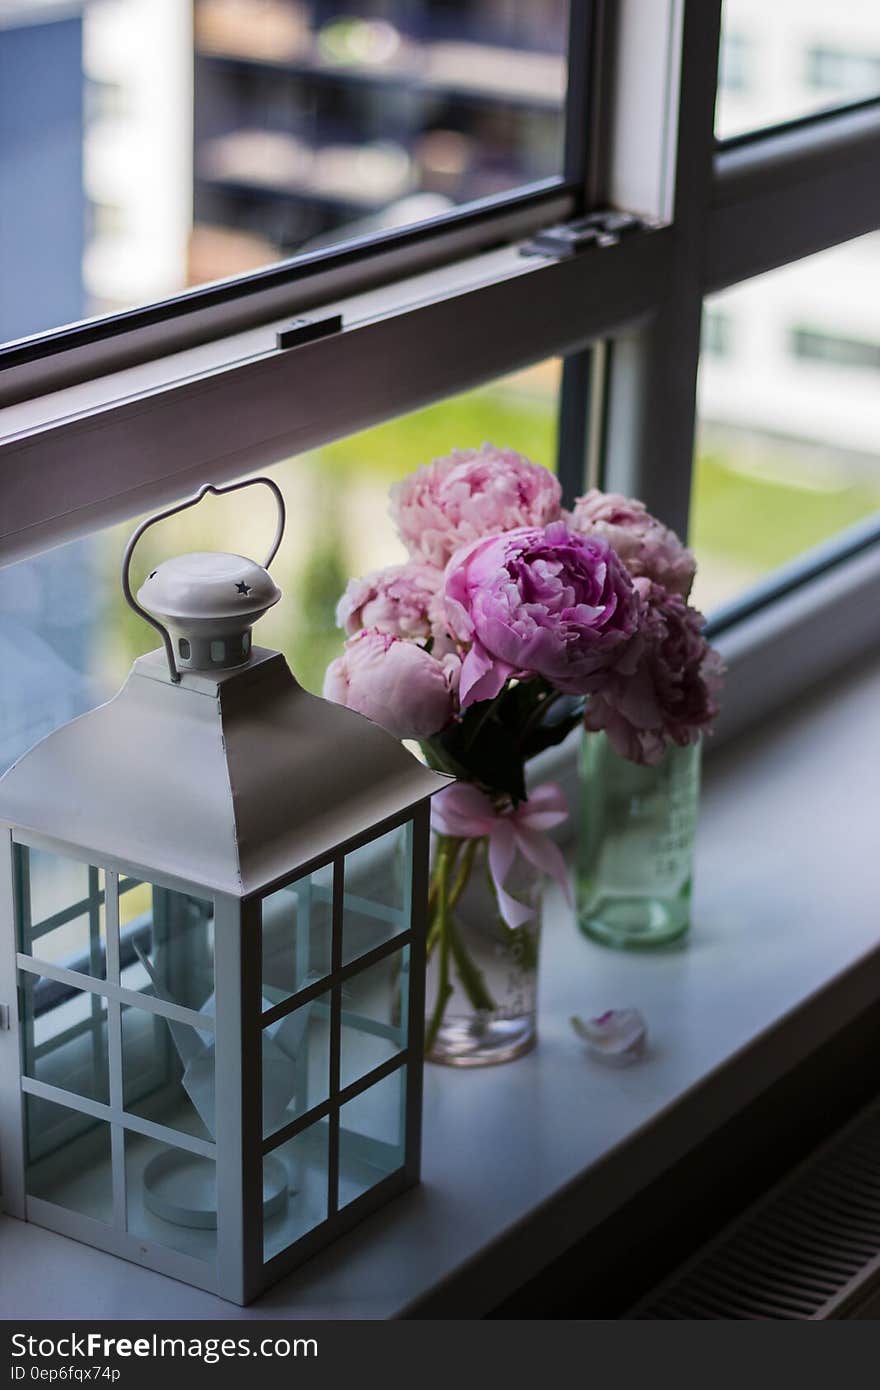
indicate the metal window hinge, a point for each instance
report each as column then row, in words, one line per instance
column 307, row 331
column 5, row 1017
column 598, row 229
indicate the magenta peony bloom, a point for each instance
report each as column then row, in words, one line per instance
column 401, row 601
column 538, row 601
column 395, row 683
column 471, row 493
column 647, row 547
column 665, row 688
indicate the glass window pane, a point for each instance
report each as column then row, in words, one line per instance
column 285, row 126
column 296, row 1063
column 377, row 893
column 793, row 58
column 374, row 1016
column 69, row 1159
column 171, row 1196
column 297, row 935
column 789, row 417
column 372, row 1136
column 135, row 933
column 55, row 882
column 166, row 944
column 294, row 1189
column 63, row 616
column 64, row 1037
column 168, row 1072
column 61, row 911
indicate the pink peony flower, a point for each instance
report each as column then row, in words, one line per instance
column 538, row 601
column 665, row 688
column 647, row 547
column 401, row 601
column 471, row 493
column 395, row 683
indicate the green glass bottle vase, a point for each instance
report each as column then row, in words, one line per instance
column 636, row 844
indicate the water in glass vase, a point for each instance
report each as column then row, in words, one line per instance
column 636, row 842
column 482, row 974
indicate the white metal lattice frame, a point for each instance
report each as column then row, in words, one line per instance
column 242, row 1267
column 210, row 396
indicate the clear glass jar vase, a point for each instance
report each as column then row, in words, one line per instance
column 482, row 975
column 636, row 844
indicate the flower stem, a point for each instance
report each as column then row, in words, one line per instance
column 458, row 888
column 445, row 857
column 443, row 865
column 444, row 936
column 464, row 872
column 471, row 975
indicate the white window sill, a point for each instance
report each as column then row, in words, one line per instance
column 522, row 1160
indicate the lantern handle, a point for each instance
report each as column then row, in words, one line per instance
column 172, row 511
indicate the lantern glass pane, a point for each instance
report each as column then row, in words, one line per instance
column 64, row 1037
column 297, row 933
column 61, row 917
column 374, row 1016
column 371, row 1136
column 299, row 1169
column 69, row 1159
column 296, row 1063
column 377, row 892
column 166, row 944
column 168, row 1072
column 171, row 1196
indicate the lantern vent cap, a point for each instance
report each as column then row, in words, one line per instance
column 208, row 584
column 205, row 603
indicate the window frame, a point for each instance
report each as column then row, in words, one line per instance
column 72, row 352
column 452, row 306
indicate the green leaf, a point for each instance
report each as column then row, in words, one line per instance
column 494, row 739
column 491, row 757
column 562, row 714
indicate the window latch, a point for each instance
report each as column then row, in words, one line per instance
column 307, row 331
column 598, row 229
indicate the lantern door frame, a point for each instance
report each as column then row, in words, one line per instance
column 261, row 1273
column 240, row 1271
column 15, row 1086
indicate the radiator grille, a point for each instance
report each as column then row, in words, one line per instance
column 809, row 1249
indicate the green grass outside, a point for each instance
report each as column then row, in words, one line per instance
column 502, row 416
column 759, row 524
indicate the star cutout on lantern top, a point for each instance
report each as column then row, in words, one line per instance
column 243, row 588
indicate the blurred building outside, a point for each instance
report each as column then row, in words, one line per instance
column 789, row 388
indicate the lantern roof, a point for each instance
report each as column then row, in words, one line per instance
column 229, row 781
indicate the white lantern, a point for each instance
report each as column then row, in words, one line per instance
column 214, row 892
